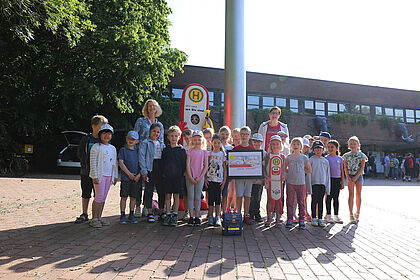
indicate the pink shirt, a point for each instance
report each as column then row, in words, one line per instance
column 197, row 158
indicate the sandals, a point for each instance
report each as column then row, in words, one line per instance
column 82, row 219
column 267, row 223
column 278, row 223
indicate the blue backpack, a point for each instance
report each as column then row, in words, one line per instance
column 232, row 224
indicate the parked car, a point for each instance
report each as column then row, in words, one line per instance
column 68, row 156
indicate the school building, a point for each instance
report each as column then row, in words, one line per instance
column 379, row 116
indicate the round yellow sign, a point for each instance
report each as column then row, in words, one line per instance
column 276, row 161
column 195, row 95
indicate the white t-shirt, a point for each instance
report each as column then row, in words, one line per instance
column 215, row 171
column 158, row 150
column 107, row 160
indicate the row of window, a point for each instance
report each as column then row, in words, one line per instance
column 313, row 107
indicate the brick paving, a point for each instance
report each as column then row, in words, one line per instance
column 39, row 240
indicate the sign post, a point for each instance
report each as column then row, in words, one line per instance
column 194, row 103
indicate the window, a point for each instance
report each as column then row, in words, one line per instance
column 177, row 93
column 268, row 102
column 378, row 111
column 222, row 98
column 253, row 102
column 332, row 108
column 320, row 108
column 365, row 109
column 418, row 116
column 294, row 105
column 399, row 114
column 389, row 112
column 409, row 116
column 211, row 98
column 356, row 109
column 344, row 108
column 281, row 102
column 309, row 107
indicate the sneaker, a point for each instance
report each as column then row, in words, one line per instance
column 95, row 223
column 197, row 222
column 301, row 225
column 330, row 219
column 167, row 220
column 137, row 213
column 337, row 220
column 257, row 218
column 132, row 219
column 321, row 223
column 82, row 219
column 123, row 220
column 247, row 220
column 308, row 218
column 217, row 222
column 174, row 220
column 104, row 222
column 162, row 216
column 315, row 222
column 144, row 213
column 210, row 221
column 151, row 218
column 186, row 217
column 191, row 222
column 289, row 224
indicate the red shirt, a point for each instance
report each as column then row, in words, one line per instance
column 242, row 148
column 271, row 130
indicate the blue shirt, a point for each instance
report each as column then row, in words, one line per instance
column 131, row 161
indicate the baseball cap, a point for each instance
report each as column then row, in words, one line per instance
column 197, row 133
column 306, row 142
column 307, row 136
column 317, row 144
column 275, row 137
column 106, row 127
column 257, row 136
column 281, row 132
column 133, row 134
column 325, row 134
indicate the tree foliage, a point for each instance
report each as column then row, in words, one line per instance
column 64, row 60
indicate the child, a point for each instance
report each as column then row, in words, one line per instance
column 215, row 179
column 173, row 173
column 297, row 165
column 337, row 179
column 224, row 133
column 186, row 135
column 257, row 186
column 320, row 182
column 83, row 153
column 236, row 137
column 197, row 165
column 243, row 187
column 103, row 171
column 128, row 160
column 354, row 164
column 208, row 135
column 150, row 156
column 275, row 171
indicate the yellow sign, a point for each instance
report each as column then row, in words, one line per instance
column 276, row 161
column 195, row 95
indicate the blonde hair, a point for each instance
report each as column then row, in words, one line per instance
column 281, row 144
column 245, row 128
column 174, row 128
column 98, row 119
column 236, row 130
column 298, row 140
column 354, row 138
column 226, row 128
column 145, row 111
column 203, row 142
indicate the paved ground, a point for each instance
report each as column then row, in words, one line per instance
column 38, row 240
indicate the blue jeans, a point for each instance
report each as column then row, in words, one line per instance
column 394, row 172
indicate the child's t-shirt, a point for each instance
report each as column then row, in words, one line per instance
column 335, row 165
column 174, row 160
column 107, row 160
column 354, row 161
column 295, row 173
column 242, row 148
column 158, row 149
column 196, row 161
column 215, row 170
column 131, row 161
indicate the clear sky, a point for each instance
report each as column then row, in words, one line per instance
column 370, row 42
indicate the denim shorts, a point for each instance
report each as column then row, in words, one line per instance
column 359, row 180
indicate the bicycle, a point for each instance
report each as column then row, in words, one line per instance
column 15, row 165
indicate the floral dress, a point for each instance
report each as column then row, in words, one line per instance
column 354, row 161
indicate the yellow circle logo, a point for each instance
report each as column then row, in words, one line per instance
column 195, row 95
column 276, row 161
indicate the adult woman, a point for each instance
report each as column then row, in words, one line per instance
column 273, row 127
column 151, row 110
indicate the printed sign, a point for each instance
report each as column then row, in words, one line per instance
column 195, row 100
column 245, row 164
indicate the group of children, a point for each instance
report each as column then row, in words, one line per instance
column 303, row 166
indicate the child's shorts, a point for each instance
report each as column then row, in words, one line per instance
column 225, row 190
column 130, row 188
column 359, row 180
column 243, row 187
column 173, row 185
